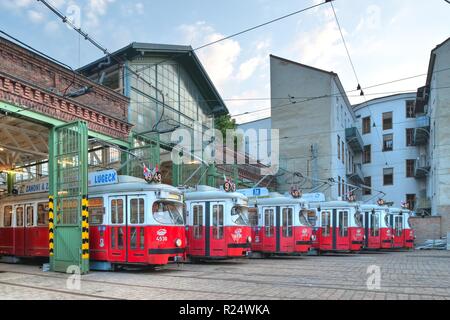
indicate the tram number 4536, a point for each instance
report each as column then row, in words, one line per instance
column 161, row 235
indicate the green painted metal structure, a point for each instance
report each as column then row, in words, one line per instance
column 68, row 177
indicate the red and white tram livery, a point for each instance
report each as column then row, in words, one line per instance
column 340, row 226
column 217, row 224
column 377, row 229
column 403, row 233
column 280, row 225
column 131, row 222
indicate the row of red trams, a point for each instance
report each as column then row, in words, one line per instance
column 136, row 223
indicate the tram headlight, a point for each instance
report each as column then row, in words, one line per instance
column 249, row 239
column 178, row 243
column 313, row 237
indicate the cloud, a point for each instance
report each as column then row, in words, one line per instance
column 94, row 10
column 218, row 59
column 35, row 16
column 133, row 9
column 247, row 68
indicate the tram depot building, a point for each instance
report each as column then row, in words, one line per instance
column 53, row 118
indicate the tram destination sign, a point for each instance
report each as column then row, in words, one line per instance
column 98, row 178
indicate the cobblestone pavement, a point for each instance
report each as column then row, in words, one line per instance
column 404, row 275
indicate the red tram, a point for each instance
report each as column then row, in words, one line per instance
column 217, row 224
column 131, row 222
column 377, row 228
column 340, row 226
column 403, row 236
column 280, row 225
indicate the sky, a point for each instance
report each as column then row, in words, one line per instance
column 387, row 39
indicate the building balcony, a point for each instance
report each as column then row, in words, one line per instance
column 422, row 130
column 422, row 167
column 357, row 174
column 354, row 139
column 423, row 203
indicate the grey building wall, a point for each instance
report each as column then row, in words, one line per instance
column 439, row 146
column 308, row 126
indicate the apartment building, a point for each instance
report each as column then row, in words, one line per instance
column 391, row 158
column 320, row 146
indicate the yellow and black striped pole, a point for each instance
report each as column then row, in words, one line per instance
column 85, row 228
column 51, row 226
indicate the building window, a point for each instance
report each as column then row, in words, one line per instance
column 366, row 125
column 339, row 186
column 410, row 109
column 367, row 183
column 411, row 201
column 410, row 137
column 367, row 154
column 343, row 152
column 387, row 120
column 388, row 142
column 339, row 146
column 410, row 168
column 343, row 187
column 388, row 176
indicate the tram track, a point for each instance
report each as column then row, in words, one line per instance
column 336, row 286
column 53, row 290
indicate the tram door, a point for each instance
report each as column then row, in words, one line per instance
column 217, row 245
column 117, row 230
column 270, row 234
column 342, row 231
column 326, row 230
column 19, row 231
column 31, row 235
column 196, row 234
column 286, row 238
column 127, row 232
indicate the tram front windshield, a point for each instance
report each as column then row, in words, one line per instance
column 167, row 212
column 305, row 216
column 358, row 219
column 239, row 215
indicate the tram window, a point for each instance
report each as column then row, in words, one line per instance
column 117, row 211
column 253, row 216
column 19, row 217
column 307, row 217
column 239, row 215
column 142, row 238
column 198, row 221
column 30, row 216
column 287, row 222
column 137, row 211
column 42, row 211
column 386, row 220
column 120, row 238
column 326, row 223
column 7, row 216
column 218, row 221
column 167, row 212
column 96, row 211
column 343, row 223
column 398, row 226
column 133, row 237
column 359, row 219
column 269, row 222
column 374, row 224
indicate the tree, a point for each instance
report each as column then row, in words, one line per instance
column 224, row 123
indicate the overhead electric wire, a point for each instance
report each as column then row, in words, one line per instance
column 238, row 33
column 354, row 71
